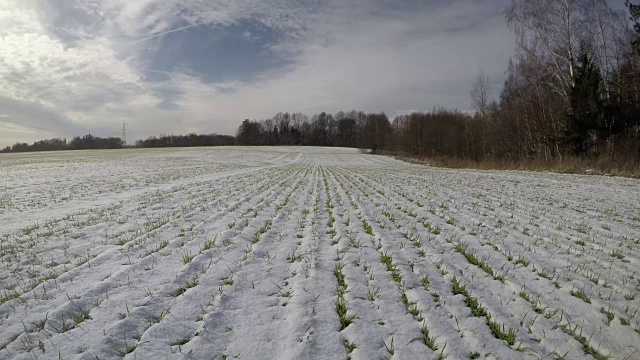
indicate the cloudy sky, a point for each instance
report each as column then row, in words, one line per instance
column 70, row 67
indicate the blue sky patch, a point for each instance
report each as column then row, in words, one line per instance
column 238, row 52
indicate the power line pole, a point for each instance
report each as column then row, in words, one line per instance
column 124, row 132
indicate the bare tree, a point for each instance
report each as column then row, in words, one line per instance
column 297, row 119
column 602, row 27
column 552, row 25
column 480, row 102
column 480, row 94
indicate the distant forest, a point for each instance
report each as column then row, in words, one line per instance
column 572, row 91
column 77, row 143
column 186, row 141
column 90, row 142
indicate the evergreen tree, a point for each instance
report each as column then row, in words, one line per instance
column 634, row 10
column 585, row 116
column 249, row 133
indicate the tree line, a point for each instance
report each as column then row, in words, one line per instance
column 186, row 140
column 77, row 143
column 90, row 142
column 344, row 129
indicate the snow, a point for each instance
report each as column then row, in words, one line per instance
column 237, row 252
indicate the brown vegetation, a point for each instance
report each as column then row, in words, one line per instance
column 626, row 166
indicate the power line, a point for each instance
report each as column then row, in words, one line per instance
column 27, row 112
column 36, row 127
column 36, row 115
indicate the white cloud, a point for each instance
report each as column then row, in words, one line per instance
column 371, row 63
column 80, row 62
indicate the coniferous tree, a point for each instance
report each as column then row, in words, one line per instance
column 634, row 11
column 586, row 111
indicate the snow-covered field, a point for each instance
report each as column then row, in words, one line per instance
column 311, row 253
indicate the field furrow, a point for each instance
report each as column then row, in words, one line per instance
column 289, row 253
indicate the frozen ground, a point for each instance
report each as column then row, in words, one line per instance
column 311, row 253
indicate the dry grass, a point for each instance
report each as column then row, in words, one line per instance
column 626, row 166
